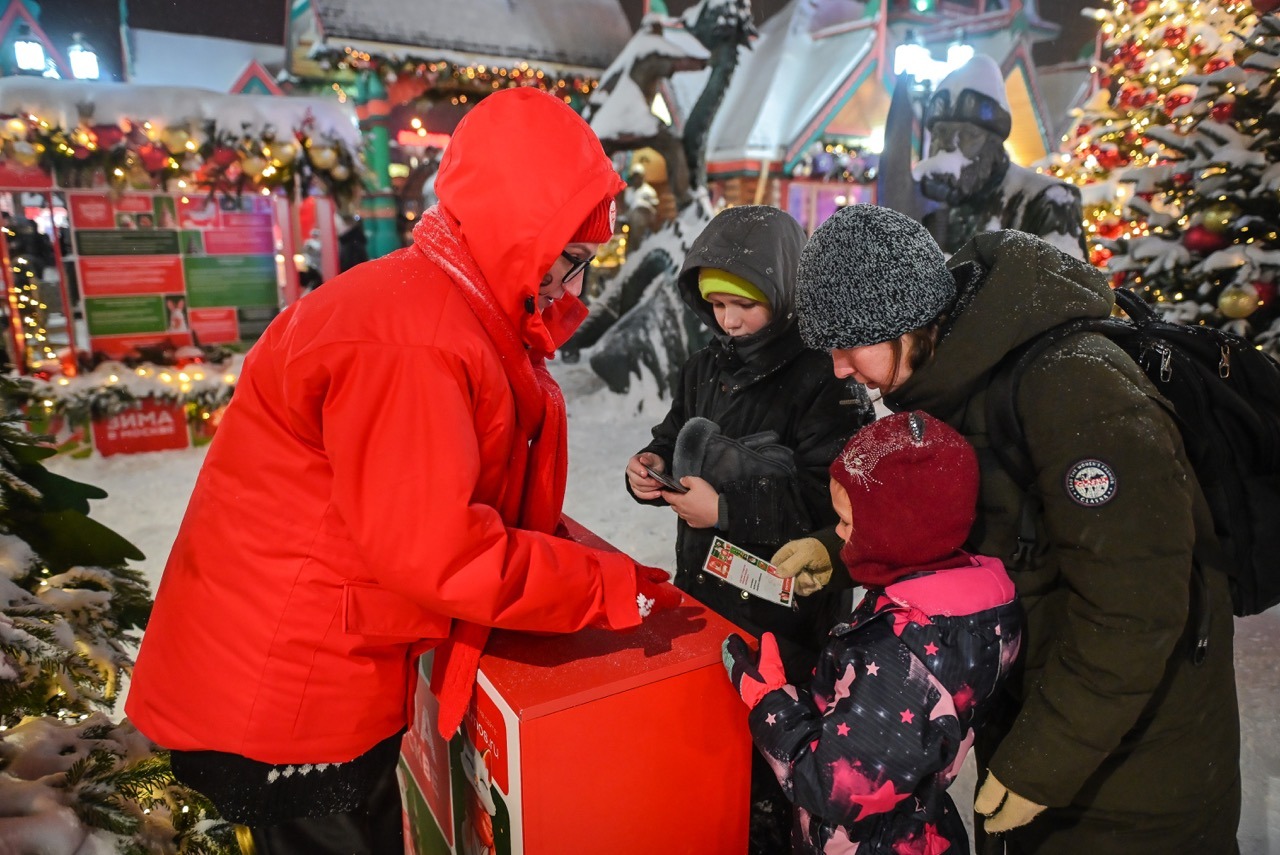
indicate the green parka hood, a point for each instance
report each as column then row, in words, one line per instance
column 1029, row 284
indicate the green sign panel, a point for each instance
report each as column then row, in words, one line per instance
column 230, row 280
column 124, row 315
column 126, row 242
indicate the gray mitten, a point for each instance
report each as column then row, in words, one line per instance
column 702, row 450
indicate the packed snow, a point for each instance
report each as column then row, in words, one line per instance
column 148, row 494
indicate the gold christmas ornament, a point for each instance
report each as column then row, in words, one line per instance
column 25, row 153
column 16, row 128
column 283, row 154
column 175, row 139
column 340, row 172
column 1219, row 216
column 1238, row 301
column 253, row 166
column 323, row 157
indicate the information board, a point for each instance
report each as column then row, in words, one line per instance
column 167, row 269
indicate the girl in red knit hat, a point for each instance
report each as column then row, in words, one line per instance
column 866, row 752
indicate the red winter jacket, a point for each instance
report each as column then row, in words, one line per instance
column 389, row 472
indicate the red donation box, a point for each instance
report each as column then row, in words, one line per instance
column 617, row 742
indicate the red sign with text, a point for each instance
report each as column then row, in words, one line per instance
column 214, row 326
column 148, row 426
column 142, row 274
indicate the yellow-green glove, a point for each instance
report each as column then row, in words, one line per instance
column 807, row 560
column 1003, row 808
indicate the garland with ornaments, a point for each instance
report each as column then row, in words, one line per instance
column 202, row 380
column 408, row 78
column 196, row 156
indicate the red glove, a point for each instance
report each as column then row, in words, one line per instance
column 654, row 591
column 753, row 679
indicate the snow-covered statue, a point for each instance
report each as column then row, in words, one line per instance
column 968, row 170
column 639, row 207
column 638, row 324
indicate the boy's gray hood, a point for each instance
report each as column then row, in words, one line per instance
column 761, row 244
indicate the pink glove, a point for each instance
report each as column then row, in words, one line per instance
column 654, row 591
column 753, row 679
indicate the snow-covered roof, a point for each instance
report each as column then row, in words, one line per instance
column 806, row 56
column 618, row 109
column 61, row 103
column 790, row 74
column 585, row 33
column 173, row 59
column 1064, row 87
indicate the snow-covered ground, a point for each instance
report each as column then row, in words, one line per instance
column 148, row 494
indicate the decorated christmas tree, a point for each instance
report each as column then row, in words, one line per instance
column 71, row 778
column 1213, row 255
column 1151, row 54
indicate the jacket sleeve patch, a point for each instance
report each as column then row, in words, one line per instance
column 1090, row 482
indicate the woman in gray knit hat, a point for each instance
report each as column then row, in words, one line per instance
column 1110, row 740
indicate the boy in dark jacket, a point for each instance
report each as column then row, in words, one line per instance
column 756, row 424
column 868, row 751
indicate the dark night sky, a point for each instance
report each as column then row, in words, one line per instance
column 263, row 21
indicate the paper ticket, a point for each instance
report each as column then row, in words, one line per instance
column 749, row 572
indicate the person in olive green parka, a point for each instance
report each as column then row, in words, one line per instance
column 1111, row 740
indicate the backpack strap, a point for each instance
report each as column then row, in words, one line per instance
column 1004, row 428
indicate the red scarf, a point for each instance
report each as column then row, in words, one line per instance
column 540, row 414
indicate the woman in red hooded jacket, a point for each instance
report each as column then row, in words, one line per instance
column 388, row 480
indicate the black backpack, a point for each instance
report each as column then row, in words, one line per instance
column 1226, row 399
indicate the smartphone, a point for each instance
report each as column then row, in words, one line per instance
column 666, row 480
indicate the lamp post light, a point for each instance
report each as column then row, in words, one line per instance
column 83, row 58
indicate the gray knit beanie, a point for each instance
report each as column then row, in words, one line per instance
column 869, row 274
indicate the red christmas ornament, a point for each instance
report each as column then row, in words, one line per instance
column 1174, row 36
column 1138, row 7
column 1196, row 49
column 1083, row 128
column 81, row 152
column 1217, row 63
column 1265, row 7
column 1203, row 241
column 1223, row 111
column 1111, row 229
column 108, row 136
column 1173, row 102
column 154, row 157
column 1266, row 291
column 1117, row 279
column 1098, row 256
column 1110, row 158
column 224, row 157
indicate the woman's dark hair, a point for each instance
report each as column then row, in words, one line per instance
column 920, row 345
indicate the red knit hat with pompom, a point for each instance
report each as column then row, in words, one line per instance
column 599, row 224
column 913, row 486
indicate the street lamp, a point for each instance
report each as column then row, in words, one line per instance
column 28, row 52
column 84, row 59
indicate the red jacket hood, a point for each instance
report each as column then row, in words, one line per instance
column 522, row 172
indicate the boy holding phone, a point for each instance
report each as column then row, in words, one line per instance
column 749, row 437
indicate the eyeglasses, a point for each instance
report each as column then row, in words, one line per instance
column 576, row 266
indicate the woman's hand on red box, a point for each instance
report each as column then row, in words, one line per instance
column 654, row 591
